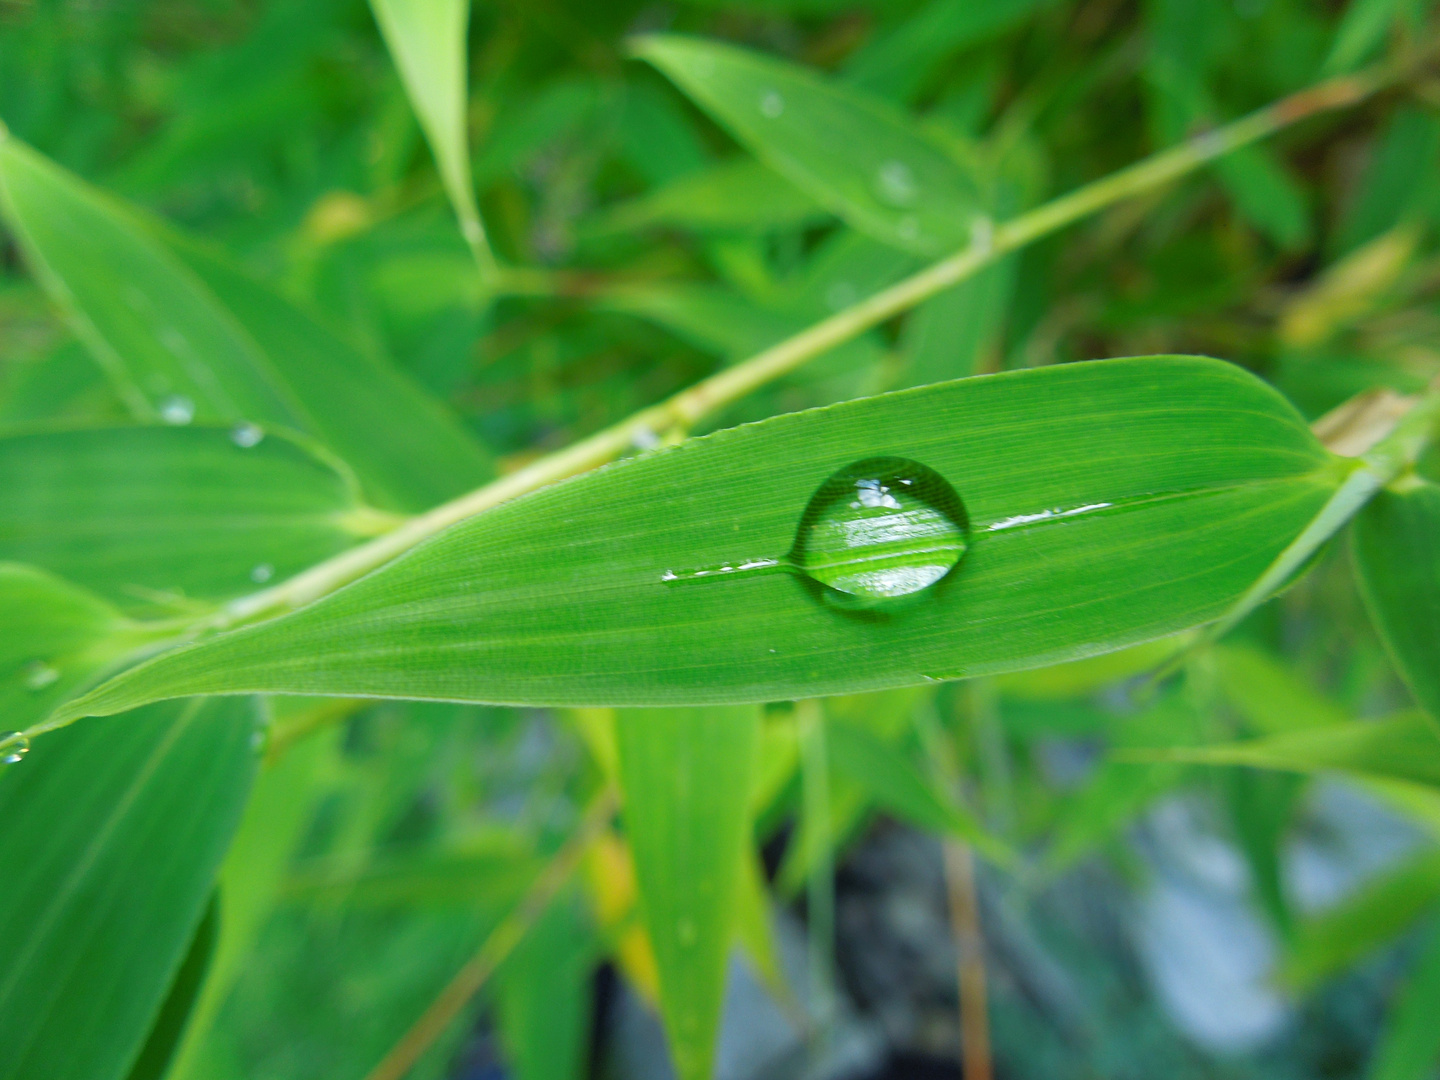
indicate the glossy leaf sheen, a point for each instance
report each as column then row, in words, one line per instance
column 1397, row 558
column 558, row 597
column 124, row 825
column 856, row 154
column 131, row 511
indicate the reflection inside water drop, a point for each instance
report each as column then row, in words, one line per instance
column 13, row 747
column 880, row 529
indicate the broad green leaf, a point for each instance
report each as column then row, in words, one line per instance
column 204, row 513
column 735, row 195
column 186, row 337
column 1396, row 543
column 173, row 1020
column 54, row 637
column 1409, row 1044
column 1334, row 940
column 543, row 1001
column 1110, row 503
column 898, row 63
column 686, row 775
column 128, row 822
column 855, row 154
column 276, row 812
column 1401, row 748
column 427, row 39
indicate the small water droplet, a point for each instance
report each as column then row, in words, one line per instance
column 39, row 675
column 771, row 105
column 840, row 295
column 177, row 410
column 895, row 184
column 685, row 932
column 879, row 530
column 245, row 435
column 644, row 438
column 13, row 747
column 262, row 573
column 982, row 234
column 908, row 227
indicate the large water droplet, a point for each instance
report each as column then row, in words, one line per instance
column 177, row 410
column 13, row 747
column 879, row 530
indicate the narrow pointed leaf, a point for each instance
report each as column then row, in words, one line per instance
column 1110, row 503
column 186, row 337
column 1397, row 558
column 126, row 824
column 544, row 997
column 205, row 512
column 427, row 40
column 686, row 775
column 854, row 153
column 1409, row 1044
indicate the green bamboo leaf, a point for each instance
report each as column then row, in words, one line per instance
column 543, row 1004
column 104, row 889
column 1333, row 941
column 1396, row 544
column 203, row 512
column 1401, row 748
column 739, row 195
column 427, row 41
column 1362, row 29
column 686, row 775
column 855, row 154
column 1132, row 497
column 153, row 1062
column 1409, row 1044
column 185, row 337
column 54, row 637
column 1269, row 694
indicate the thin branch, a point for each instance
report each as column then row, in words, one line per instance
column 975, row 1060
column 469, row 980
column 705, row 398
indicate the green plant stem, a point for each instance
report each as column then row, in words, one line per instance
column 683, row 410
column 501, row 942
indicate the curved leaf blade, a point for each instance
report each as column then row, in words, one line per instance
column 1110, row 502
column 856, row 154
column 125, row 826
column 206, row 512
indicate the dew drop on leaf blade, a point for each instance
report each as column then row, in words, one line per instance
column 13, row 747
column 880, row 530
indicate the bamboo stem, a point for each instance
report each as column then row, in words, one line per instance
column 975, row 1060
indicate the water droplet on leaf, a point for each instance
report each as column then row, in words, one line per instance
column 262, row 573
column 895, row 184
column 879, row 530
column 13, row 747
column 177, row 410
column 245, row 435
column 39, row 675
column 771, row 105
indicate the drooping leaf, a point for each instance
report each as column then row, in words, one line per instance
column 1328, row 943
column 427, row 39
column 1400, row 748
column 1396, row 543
column 207, row 513
column 186, row 337
column 856, row 154
column 686, row 775
column 1136, row 497
column 126, row 824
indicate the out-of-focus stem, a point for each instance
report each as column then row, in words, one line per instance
column 970, row 961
